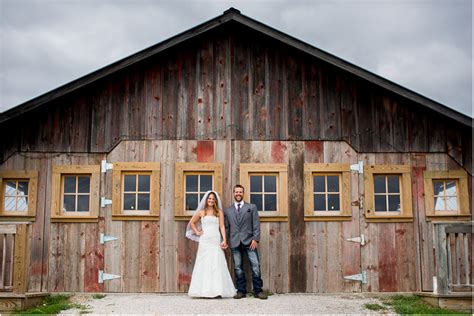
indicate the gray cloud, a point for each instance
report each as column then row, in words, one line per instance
column 425, row 46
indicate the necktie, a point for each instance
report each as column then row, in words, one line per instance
column 238, row 208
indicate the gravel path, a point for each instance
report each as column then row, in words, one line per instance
column 182, row 304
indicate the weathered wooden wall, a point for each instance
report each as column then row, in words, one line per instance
column 297, row 256
column 233, row 96
column 235, row 84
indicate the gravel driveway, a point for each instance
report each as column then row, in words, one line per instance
column 182, row 304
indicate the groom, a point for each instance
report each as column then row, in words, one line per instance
column 242, row 225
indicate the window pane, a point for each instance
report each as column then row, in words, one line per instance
column 10, row 188
column 255, row 183
column 451, row 203
column 144, row 202
column 380, row 203
column 270, row 183
column 451, row 188
column 83, row 184
column 394, row 203
column 69, row 203
column 270, row 202
column 379, row 184
column 257, row 200
column 333, row 183
column 23, row 188
column 438, row 187
column 69, row 184
column 200, row 197
column 10, row 204
column 191, row 183
column 191, row 201
column 333, row 202
column 393, row 184
column 206, row 183
column 129, row 183
column 319, row 184
column 439, row 203
column 144, row 183
column 22, row 204
column 83, row 203
column 319, row 202
column 129, row 202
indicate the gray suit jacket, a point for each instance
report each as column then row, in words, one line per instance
column 244, row 228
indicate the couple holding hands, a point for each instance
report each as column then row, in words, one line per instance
column 216, row 229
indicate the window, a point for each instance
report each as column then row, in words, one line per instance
column 18, row 195
column 388, row 193
column 266, row 187
column 263, row 191
column 75, row 193
column 192, row 181
column 446, row 194
column 136, row 191
column 327, row 192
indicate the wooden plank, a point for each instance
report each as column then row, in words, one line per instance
column 441, row 260
column 257, row 88
column 112, row 250
column 168, row 255
column 295, row 76
column 222, row 123
column 370, row 252
column 93, row 258
column 296, row 243
column 153, row 99
column 8, row 228
column 276, row 127
column 424, row 270
column 57, row 255
column 240, row 81
column 311, row 109
column 20, row 260
column 131, row 257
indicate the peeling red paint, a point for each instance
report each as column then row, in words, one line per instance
column 204, row 151
column 278, row 152
column 314, row 151
column 184, row 278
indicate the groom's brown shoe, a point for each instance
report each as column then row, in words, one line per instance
column 261, row 296
column 239, row 295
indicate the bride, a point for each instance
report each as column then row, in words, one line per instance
column 210, row 276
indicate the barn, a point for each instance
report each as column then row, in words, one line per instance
column 362, row 185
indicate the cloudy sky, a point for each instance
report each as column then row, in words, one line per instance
column 423, row 45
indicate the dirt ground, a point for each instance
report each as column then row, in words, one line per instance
column 182, row 304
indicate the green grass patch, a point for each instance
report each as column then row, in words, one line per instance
column 402, row 304
column 98, row 296
column 53, row 305
column 375, row 307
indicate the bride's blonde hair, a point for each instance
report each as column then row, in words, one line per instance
column 216, row 210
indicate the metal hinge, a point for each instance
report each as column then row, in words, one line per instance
column 104, row 202
column 104, row 238
column 362, row 277
column 360, row 239
column 359, row 167
column 105, row 276
column 104, row 166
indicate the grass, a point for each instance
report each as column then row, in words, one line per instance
column 402, row 304
column 53, row 305
column 98, row 296
column 375, row 307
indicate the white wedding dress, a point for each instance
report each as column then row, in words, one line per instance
column 211, row 276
